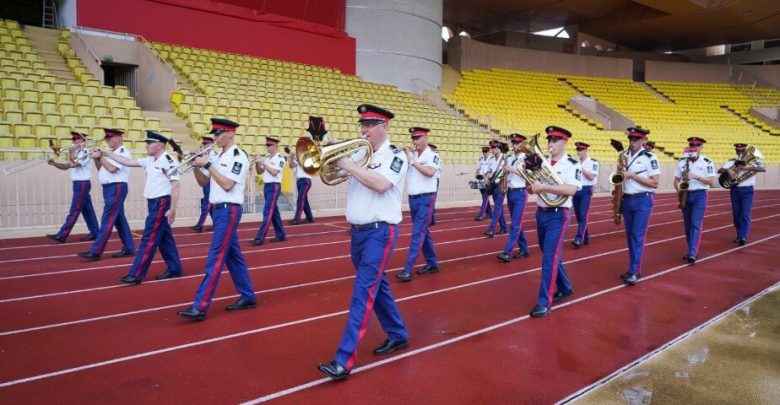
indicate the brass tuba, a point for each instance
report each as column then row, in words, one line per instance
column 543, row 173
column 315, row 158
column 751, row 157
column 617, row 179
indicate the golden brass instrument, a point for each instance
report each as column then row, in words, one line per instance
column 544, row 173
column 315, row 158
column 185, row 166
column 81, row 154
column 684, row 184
column 751, row 157
column 617, row 179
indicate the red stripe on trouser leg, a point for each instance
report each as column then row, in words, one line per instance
column 152, row 235
column 76, row 211
column 220, row 259
column 111, row 218
column 556, row 255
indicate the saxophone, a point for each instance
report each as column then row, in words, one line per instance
column 682, row 187
column 542, row 172
column 617, row 179
column 751, row 157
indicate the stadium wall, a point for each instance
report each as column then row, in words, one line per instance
column 228, row 28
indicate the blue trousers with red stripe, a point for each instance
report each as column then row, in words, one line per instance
column 485, row 208
column 114, row 195
column 271, row 193
column 551, row 227
column 433, row 216
column 636, row 216
column 157, row 233
column 371, row 250
column 741, row 204
column 516, row 199
column 498, row 211
column 581, row 202
column 693, row 217
column 302, row 206
column 421, row 210
column 205, row 207
column 224, row 251
column 81, row 204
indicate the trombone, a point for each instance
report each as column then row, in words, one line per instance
column 185, row 166
column 82, row 154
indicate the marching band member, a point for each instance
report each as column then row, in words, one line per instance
column 438, row 177
column 582, row 199
column 700, row 172
column 114, row 177
column 552, row 222
column 516, row 200
column 303, row 179
column 271, row 168
column 497, row 194
column 482, row 170
column 162, row 196
column 81, row 203
column 639, row 184
column 374, row 210
column 742, row 193
column 227, row 175
column 423, row 166
column 205, row 207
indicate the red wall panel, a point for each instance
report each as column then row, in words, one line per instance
column 227, row 27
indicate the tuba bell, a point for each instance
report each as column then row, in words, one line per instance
column 543, row 173
column 314, row 158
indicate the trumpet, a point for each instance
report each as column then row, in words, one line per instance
column 317, row 159
column 185, row 166
column 258, row 156
column 82, row 154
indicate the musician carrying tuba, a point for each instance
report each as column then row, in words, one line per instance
column 736, row 172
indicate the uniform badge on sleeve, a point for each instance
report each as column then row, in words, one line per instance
column 709, row 169
column 578, row 175
column 436, row 160
column 396, row 165
column 654, row 164
column 281, row 163
column 236, row 168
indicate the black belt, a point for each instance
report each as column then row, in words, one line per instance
column 516, row 188
column 587, row 186
column 637, row 194
column 158, row 198
column 551, row 209
column 224, row 205
column 116, row 182
column 694, row 191
column 366, row 227
column 412, row 197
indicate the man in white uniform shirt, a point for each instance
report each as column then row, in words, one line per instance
column 516, row 200
column 271, row 167
column 742, row 193
column 227, row 174
column 162, row 196
column 81, row 203
column 374, row 210
column 700, row 172
column 205, row 207
column 423, row 166
column 302, row 179
column 482, row 169
column 552, row 222
column 582, row 199
column 114, row 177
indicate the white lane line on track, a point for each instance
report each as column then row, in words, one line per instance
column 393, row 359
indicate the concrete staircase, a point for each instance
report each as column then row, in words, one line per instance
column 449, row 80
column 181, row 132
column 657, row 93
column 44, row 43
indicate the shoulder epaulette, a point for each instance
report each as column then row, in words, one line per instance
column 707, row 160
column 681, row 159
column 122, row 149
column 573, row 160
column 395, row 149
column 594, row 160
column 170, row 159
column 236, row 152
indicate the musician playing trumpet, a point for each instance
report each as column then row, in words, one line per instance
column 205, row 206
column 701, row 174
column 742, row 193
column 270, row 166
column 81, row 204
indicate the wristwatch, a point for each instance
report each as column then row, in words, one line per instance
column 207, row 165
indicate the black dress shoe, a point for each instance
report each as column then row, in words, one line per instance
column 576, row 244
column 295, row 222
column 123, row 253
column 742, row 241
column 197, row 229
column 735, row 240
column 390, row 346
column 560, row 296
column 489, row 234
column 278, row 239
column 242, row 303
column 167, row 275
column 89, row 237
column 310, row 221
column 521, row 254
column 256, row 242
column 89, row 255
column 690, row 259
column 192, row 314
column 334, row 370
column 404, row 276
column 504, row 257
column 478, row 218
column 540, row 311
column 632, row 278
column 624, row 275
column 56, row 237
column 428, row 269
column 502, row 232
column 130, row 280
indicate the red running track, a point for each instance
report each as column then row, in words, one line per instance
column 70, row 333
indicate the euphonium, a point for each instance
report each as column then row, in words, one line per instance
column 315, row 158
column 617, row 179
column 544, row 173
column 732, row 177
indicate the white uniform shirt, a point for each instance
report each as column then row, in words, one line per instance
column 591, row 165
column 482, row 165
column 493, row 165
column 750, row 181
column 81, row 171
column 570, row 172
column 418, row 182
column 515, row 180
column 121, row 175
column 703, row 167
column 644, row 164
column 157, row 184
column 438, row 171
column 276, row 161
column 213, row 157
column 364, row 205
column 299, row 172
column 233, row 164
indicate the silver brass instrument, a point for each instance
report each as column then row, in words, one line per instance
column 81, row 154
column 544, row 173
column 185, row 166
column 314, row 158
column 751, row 157
column 286, row 155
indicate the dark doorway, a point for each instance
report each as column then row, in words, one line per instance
column 119, row 74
